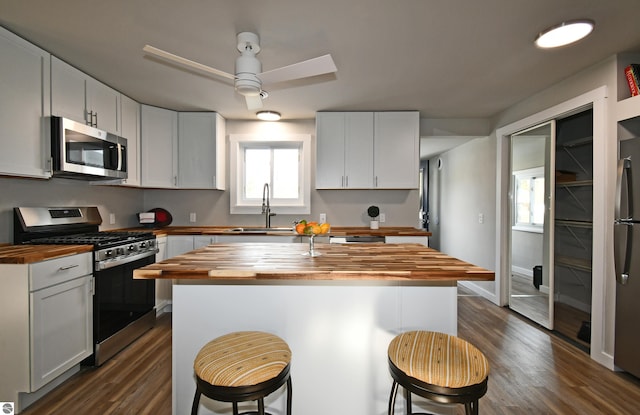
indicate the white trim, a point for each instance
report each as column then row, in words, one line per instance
column 601, row 232
column 236, row 141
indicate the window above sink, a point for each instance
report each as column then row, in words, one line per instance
column 281, row 160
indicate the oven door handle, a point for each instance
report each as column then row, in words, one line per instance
column 110, row 263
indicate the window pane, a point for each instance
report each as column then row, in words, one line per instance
column 523, row 193
column 285, row 173
column 257, row 171
column 538, row 201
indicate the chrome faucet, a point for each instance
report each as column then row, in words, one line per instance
column 266, row 207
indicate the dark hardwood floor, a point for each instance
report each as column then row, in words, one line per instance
column 532, row 372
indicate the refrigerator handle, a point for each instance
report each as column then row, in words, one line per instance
column 624, row 171
column 623, row 264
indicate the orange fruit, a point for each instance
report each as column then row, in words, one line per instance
column 300, row 227
column 324, row 228
column 315, row 229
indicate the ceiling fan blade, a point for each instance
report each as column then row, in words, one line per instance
column 254, row 102
column 185, row 62
column 312, row 67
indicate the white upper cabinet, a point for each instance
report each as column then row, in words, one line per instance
column 330, row 136
column 159, row 145
column 201, row 150
column 24, row 104
column 344, row 150
column 78, row 96
column 103, row 105
column 396, row 150
column 182, row 150
column 367, row 150
column 130, row 128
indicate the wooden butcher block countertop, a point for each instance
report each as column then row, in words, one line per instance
column 280, row 261
column 26, row 254
column 335, row 231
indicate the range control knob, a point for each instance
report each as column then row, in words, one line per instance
column 108, row 253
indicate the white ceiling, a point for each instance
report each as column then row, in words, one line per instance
column 445, row 58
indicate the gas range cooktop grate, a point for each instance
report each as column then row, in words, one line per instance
column 97, row 239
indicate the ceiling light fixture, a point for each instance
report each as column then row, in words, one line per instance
column 268, row 115
column 565, row 33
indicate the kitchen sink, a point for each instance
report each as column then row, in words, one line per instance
column 260, row 230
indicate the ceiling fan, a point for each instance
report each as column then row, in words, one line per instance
column 249, row 78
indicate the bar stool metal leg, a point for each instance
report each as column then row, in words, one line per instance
column 196, row 402
column 289, row 396
column 392, row 398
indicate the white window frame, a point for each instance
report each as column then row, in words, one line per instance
column 530, row 174
column 240, row 206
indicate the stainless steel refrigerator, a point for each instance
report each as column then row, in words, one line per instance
column 627, row 258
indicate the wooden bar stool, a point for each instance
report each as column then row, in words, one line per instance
column 240, row 367
column 438, row 367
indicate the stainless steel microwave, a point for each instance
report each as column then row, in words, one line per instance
column 80, row 151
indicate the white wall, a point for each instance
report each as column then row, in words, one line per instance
column 124, row 203
column 343, row 207
column 466, row 186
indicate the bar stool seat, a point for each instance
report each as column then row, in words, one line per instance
column 438, row 367
column 242, row 366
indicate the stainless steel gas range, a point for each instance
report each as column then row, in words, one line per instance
column 123, row 308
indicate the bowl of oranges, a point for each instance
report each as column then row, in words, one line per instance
column 312, row 229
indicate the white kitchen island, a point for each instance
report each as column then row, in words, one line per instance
column 338, row 313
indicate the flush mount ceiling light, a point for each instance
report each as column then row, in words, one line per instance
column 268, row 115
column 565, row 33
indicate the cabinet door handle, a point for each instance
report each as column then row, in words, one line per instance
column 346, row 181
column 67, row 267
column 95, row 123
column 89, row 118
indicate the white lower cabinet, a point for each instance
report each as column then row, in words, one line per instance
column 46, row 317
column 60, row 329
column 163, row 287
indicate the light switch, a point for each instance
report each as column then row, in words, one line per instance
column 192, row 217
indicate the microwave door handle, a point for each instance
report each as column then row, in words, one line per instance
column 119, row 167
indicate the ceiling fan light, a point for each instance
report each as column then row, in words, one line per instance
column 268, row 115
column 565, row 33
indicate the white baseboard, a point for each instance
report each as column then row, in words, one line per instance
column 491, row 296
column 522, row 271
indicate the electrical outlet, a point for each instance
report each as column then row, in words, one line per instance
column 480, row 217
column 323, row 218
column 192, row 217
column 383, row 218
column 112, row 218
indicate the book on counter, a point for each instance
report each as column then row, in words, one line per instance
column 632, row 74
